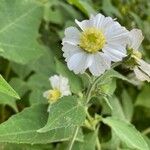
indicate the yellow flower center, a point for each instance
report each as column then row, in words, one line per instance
column 54, row 95
column 137, row 54
column 92, row 40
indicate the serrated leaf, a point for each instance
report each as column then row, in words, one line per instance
column 7, row 89
column 21, row 128
column 127, row 133
column 67, row 112
column 19, row 30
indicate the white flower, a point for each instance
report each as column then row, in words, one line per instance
column 101, row 41
column 60, row 88
column 142, row 69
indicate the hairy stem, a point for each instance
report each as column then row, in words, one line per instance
column 73, row 138
column 91, row 88
column 92, row 85
column 146, row 131
column 98, row 146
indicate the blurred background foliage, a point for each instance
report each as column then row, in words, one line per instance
column 30, row 79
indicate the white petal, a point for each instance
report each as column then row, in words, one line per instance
column 115, row 52
column 140, row 75
column 70, row 50
column 66, row 92
column 72, row 36
column 116, row 34
column 46, row 94
column 135, row 38
column 64, row 86
column 100, row 63
column 79, row 62
column 98, row 20
column 55, row 81
column 145, row 67
column 84, row 24
column 103, row 23
column 61, row 83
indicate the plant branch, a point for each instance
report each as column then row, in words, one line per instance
column 73, row 138
column 146, row 131
column 92, row 85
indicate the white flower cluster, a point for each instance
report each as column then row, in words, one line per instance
column 99, row 42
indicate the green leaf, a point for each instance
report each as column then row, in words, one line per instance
column 109, row 9
column 112, row 74
column 143, row 98
column 67, row 112
column 10, row 146
column 36, row 97
column 20, row 87
column 127, row 105
column 108, row 88
column 84, row 6
column 7, row 89
column 38, row 81
column 22, row 128
column 45, row 64
column 127, row 133
column 117, row 110
column 147, row 139
column 88, row 144
column 21, row 70
column 8, row 100
column 74, row 80
column 137, row 19
column 19, row 30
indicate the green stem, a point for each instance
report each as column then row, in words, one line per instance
column 98, row 144
column 91, row 88
column 146, row 131
column 73, row 138
column 92, row 85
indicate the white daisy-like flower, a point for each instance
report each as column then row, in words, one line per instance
column 60, row 88
column 141, row 69
column 100, row 41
